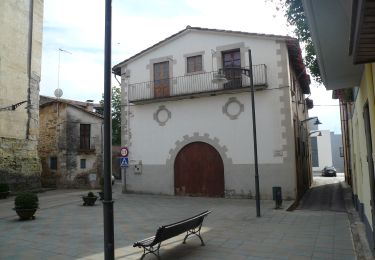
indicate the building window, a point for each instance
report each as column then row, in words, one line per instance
column 194, row 64
column 83, row 163
column 232, row 61
column 53, row 163
column 341, row 151
column 84, row 136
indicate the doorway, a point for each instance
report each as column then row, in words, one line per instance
column 199, row 171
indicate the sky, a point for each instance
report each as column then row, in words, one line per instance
column 77, row 26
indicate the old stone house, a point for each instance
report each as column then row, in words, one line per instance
column 70, row 144
column 21, row 27
column 189, row 134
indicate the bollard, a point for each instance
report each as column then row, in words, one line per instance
column 277, row 197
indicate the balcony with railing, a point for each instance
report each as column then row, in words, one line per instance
column 193, row 85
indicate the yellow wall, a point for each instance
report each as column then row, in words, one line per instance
column 361, row 184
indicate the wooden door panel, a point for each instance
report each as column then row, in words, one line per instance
column 161, row 79
column 199, row 171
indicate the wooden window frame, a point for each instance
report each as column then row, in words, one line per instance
column 83, row 163
column 84, row 136
column 197, row 64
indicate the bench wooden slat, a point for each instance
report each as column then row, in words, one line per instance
column 145, row 242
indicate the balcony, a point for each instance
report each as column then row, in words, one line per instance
column 196, row 85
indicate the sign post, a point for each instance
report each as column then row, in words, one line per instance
column 124, row 162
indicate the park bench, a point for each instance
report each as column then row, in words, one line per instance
column 192, row 226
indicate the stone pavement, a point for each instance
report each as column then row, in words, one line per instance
column 64, row 229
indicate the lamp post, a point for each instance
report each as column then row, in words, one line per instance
column 109, row 244
column 220, row 78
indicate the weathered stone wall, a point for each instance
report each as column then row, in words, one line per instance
column 60, row 137
column 52, row 142
column 21, row 27
column 19, row 163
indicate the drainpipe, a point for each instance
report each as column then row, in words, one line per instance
column 29, row 58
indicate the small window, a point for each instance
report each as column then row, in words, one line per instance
column 194, row 64
column 83, row 163
column 53, row 163
column 341, row 151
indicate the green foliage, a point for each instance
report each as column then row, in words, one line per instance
column 90, row 194
column 4, row 187
column 26, row 200
column 116, row 115
column 295, row 15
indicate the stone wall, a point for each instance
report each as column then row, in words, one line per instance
column 60, row 138
column 21, row 27
column 19, row 163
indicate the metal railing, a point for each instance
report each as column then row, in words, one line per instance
column 195, row 83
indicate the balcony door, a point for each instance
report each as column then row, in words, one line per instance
column 231, row 61
column 161, row 79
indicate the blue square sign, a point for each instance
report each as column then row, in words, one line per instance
column 124, row 162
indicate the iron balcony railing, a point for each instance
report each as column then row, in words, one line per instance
column 195, row 84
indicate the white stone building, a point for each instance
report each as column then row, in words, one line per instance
column 189, row 136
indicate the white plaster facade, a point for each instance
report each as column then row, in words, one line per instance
column 156, row 130
column 324, row 150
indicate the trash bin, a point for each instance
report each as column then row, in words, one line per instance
column 277, row 196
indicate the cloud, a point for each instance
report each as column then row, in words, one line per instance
column 78, row 26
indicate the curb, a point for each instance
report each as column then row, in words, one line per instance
column 357, row 227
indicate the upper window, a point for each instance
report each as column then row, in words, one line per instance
column 84, row 136
column 194, row 64
column 232, row 59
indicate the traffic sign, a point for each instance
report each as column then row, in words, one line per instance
column 124, row 162
column 124, row 151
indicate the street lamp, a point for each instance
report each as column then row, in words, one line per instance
column 220, row 78
column 109, row 243
column 316, row 131
column 317, row 122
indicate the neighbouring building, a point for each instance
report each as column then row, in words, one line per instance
column 337, row 152
column 71, row 143
column 190, row 133
column 326, row 150
column 343, row 36
column 21, row 27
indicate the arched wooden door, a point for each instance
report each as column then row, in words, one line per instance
column 199, row 171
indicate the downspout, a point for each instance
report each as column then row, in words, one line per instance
column 29, row 59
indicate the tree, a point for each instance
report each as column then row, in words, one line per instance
column 116, row 115
column 295, row 15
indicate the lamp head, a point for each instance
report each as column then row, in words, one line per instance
column 219, row 78
column 317, row 122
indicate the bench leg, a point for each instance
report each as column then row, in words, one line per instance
column 194, row 232
column 151, row 250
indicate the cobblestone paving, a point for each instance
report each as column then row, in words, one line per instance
column 64, row 229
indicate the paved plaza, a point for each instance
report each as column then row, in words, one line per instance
column 64, row 229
